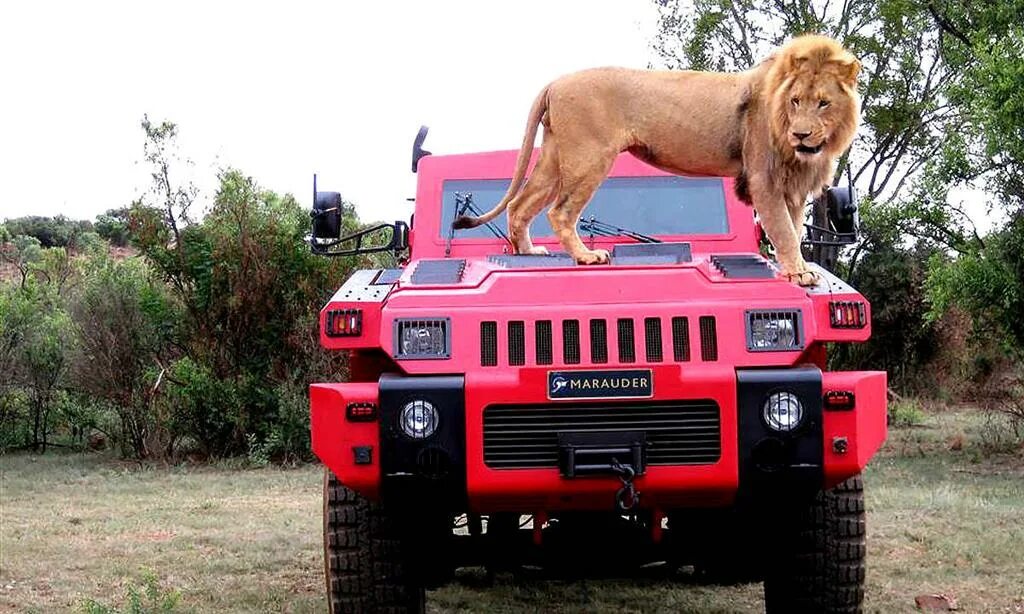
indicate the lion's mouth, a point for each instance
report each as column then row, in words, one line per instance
column 806, row 149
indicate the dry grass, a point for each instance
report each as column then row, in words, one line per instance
column 81, row 527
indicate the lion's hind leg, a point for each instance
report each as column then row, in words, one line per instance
column 578, row 187
column 539, row 190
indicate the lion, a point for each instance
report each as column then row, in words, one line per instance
column 777, row 128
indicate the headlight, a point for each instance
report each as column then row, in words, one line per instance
column 418, row 419
column 774, row 330
column 422, row 338
column 783, row 411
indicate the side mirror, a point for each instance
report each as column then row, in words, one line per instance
column 841, row 206
column 417, row 148
column 326, row 215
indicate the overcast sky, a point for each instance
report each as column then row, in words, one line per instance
column 280, row 90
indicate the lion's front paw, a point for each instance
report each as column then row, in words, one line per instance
column 593, row 256
column 804, row 278
column 537, row 250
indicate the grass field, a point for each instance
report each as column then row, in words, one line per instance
column 942, row 518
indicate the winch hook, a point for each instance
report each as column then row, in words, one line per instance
column 626, row 498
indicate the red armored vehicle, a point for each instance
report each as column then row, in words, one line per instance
column 520, row 412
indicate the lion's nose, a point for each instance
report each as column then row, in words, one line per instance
column 801, row 135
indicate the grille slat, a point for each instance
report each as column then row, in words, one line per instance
column 627, row 342
column 516, row 343
column 488, row 344
column 598, row 341
column 708, row 339
column 542, row 347
column 680, row 339
column 652, row 339
column 571, row 342
column 678, row 432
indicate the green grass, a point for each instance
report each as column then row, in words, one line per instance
column 942, row 518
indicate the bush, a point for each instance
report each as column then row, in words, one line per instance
column 146, row 598
column 905, row 413
column 125, row 321
column 56, row 231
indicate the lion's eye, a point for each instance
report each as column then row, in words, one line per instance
column 796, row 102
column 823, row 103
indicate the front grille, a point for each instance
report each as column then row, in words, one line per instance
column 513, row 349
column 598, row 341
column 516, row 343
column 678, row 432
column 627, row 344
column 708, row 339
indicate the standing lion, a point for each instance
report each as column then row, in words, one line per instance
column 777, row 128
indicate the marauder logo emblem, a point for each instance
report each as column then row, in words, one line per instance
column 622, row 384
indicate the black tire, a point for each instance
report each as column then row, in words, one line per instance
column 819, row 562
column 364, row 562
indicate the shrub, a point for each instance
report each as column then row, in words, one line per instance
column 125, row 322
column 145, row 598
column 905, row 413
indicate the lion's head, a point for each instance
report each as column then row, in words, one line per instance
column 813, row 101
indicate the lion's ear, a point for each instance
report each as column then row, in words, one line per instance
column 849, row 68
column 795, row 62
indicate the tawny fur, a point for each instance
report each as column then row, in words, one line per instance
column 749, row 125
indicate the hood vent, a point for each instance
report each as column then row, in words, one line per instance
column 430, row 272
column 743, row 267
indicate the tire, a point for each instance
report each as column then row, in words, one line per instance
column 364, row 559
column 819, row 565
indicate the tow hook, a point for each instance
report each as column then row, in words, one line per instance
column 626, row 498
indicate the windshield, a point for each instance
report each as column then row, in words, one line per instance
column 647, row 205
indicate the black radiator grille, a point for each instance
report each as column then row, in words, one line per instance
column 542, row 334
column 627, row 343
column 652, row 339
column 571, row 342
column 488, row 344
column 678, row 432
column 680, row 339
column 516, row 343
column 708, row 339
column 598, row 341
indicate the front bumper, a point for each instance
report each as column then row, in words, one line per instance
column 376, row 460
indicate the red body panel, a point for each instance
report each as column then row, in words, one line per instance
column 864, row 427
column 663, row 486
column 489, row 292
column 334, row 437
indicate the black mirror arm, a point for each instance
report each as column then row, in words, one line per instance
column 396, row 243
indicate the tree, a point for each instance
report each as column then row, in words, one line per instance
column 34, row 343
column 22, row 252
column 904, row 78
column 114, row 226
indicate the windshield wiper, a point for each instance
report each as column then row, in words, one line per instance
column 602, row 229
column 463, row 205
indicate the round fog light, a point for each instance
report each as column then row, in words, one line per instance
column 783, row 411
column 418, row 419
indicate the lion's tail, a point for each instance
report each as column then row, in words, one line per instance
column 540, row 105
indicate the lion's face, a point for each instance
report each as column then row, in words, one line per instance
column 815, row 103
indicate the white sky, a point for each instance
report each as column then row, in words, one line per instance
column 280, row 90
